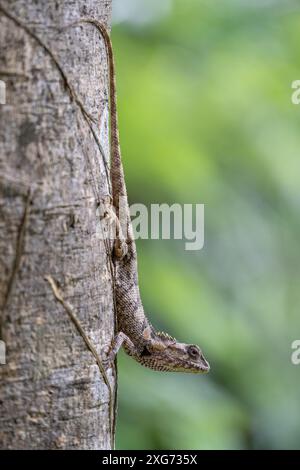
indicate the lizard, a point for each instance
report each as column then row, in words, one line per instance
column 153, row 349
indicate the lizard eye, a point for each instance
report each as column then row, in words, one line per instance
column 193, row 351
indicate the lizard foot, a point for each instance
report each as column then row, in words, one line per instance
column 107, row 357
column 109, row 352
column 120, row 249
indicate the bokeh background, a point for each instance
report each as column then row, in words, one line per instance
column 206, row 117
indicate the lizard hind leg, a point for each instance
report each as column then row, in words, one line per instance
column 113, row 228
column 120, row 248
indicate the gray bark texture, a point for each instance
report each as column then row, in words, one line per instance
column 52, row 177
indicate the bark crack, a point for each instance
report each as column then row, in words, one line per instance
column 18, row 257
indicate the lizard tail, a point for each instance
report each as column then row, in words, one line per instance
column 116, row 167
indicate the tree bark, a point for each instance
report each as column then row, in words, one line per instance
column 52, row 177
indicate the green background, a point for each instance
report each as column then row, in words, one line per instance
column 206, row 116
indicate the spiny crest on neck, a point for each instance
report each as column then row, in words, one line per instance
column 165, row 336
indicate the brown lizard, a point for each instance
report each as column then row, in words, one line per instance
column 153, row 349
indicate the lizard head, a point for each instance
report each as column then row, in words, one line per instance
column 167, row 354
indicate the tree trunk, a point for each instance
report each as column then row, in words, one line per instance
column 52, row 177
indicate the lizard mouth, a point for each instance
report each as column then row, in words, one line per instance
column 204, row 367
column 197, row 368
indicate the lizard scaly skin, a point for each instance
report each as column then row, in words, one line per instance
column 153, row 349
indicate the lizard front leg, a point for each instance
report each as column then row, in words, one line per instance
column 111, row 351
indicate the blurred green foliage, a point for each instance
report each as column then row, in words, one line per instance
column 206, row 117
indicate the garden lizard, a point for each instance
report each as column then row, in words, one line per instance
column 151, row 348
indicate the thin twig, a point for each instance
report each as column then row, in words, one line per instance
column 86, row 115
column 64, row 28
column 76, row 322
column 18, row 257
column 58, row 295
column 67, row 84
